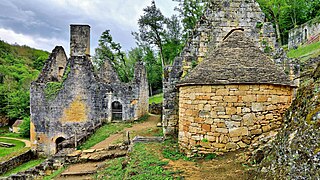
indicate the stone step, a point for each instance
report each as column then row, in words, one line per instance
column 79, row 173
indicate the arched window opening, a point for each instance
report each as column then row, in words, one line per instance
column 59, row 140
column 116, row 111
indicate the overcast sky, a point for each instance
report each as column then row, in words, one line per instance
column 43, row 24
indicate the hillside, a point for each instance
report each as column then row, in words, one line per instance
column 19, row 66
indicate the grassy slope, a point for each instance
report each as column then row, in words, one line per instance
column 102, row 133
column 156, row 99
column 23, row 167
column 305, row 52
column 7, row 151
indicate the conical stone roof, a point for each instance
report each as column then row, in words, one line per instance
column 236, row 61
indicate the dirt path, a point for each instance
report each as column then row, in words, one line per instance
column 136, row 128
column 226, row 167
column 26, row 142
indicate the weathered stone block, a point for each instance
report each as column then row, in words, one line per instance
column 257, row 107
column 242, row 131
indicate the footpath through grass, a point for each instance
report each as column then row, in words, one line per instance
column 6, row 151
column 4, row 131
column 23, row 167
column 102, row 133
column 156, row 99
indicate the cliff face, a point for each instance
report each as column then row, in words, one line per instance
column 295, row 153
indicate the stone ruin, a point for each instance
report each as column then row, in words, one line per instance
column 190, row 113
column 69, row 100
column 305, row 33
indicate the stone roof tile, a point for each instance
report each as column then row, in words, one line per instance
column 236, row 61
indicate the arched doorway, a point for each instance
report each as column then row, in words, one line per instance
column 58, row 143
column 116, row 111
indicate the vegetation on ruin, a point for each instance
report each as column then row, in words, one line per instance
column 156, row 99
column 6, row 151
column 23, row 167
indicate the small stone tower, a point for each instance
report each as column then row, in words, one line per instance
column 79, row 40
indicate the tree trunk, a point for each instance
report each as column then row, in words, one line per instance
column 278, row 33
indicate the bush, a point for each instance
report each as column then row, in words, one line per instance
column 25, row 127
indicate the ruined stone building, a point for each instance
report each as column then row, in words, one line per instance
column 69, row 100
column 221, row 105
column 308, row 32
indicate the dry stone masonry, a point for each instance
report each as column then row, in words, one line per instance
column 69, row 100
column 217, row 21
column 234, row 95
column 308, row 31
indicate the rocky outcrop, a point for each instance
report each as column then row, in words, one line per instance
column 295, row 152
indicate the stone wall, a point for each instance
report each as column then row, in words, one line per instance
column 80, row 100
column 16, row 161
column 303, row 33
column 228, row 117
column 220, row 17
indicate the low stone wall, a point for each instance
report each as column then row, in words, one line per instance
column 61, row 159
column 16, row 161
column 224, row 118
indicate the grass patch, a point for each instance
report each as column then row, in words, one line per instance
column 6, row 151
column 144, row 164
column 54, row 174
column 305, row 52
column 4, row 131
column 102, row 133
column 171, row 151
column 24, row 167
column 156, row 99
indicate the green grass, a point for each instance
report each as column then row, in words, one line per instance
column 4, row 131
column 144, row 164
column 156, row 99
column 54, row 174
column 305, row 52
column 24, row 167
column 102, row 133
column 6, row 151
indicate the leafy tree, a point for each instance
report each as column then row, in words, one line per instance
column 190, row 12
column 152, row 29
column 25, row 127
column 274, row 10
column 108, row 49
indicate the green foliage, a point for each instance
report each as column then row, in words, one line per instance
column 102, row 133
column 190, row 12
column 171, row 151
column 25, row 127
column 305, row 52
column 287, row 14
column 52, row 89
column 156, row 99
column 19, row 66
column 6, row 151
column 110, row 50
column 23, row 167
column 144, row 164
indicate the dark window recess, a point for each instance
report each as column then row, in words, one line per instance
column 58, row 144
column 116, row 111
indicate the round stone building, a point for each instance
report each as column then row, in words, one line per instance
column 231, row 98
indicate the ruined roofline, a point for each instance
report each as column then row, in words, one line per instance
column 226, row 83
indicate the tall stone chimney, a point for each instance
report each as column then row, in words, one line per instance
column 79, row 40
